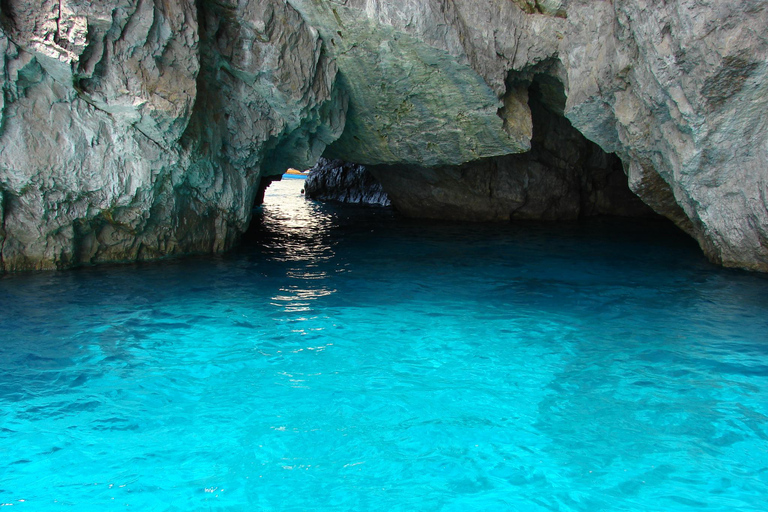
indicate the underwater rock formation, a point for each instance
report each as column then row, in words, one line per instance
column 336, row 180
column 136, row 129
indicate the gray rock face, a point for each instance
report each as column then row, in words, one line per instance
column 336, row 180
column 673, row 90
column 135, row 129
column 563, row 177
column 425, row 79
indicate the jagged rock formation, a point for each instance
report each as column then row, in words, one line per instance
column 336, row 180
column 563, row 177
column 137, row 129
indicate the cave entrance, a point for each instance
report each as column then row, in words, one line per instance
column 283, row 223
column 563, row 177
column 266, row 181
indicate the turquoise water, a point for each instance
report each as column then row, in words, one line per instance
column 349, row 360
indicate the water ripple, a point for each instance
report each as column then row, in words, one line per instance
column 345, row 359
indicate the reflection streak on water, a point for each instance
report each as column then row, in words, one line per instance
column 298, row 231
column 534, row 369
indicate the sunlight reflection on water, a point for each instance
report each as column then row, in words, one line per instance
column 304, row 226
column 300, row 235
column 347, row 359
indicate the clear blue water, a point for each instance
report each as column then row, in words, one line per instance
column 351, row 360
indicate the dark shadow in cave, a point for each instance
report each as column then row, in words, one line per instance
column 564, row 176
column 568, row 175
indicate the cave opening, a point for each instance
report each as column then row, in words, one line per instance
column 267, row 180
column 563, row 180
column 563, row 176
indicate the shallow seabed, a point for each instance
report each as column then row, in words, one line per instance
column 351, row 360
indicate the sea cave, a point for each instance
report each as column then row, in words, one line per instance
column 518, row 261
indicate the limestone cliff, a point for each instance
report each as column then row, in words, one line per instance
column 135, row 129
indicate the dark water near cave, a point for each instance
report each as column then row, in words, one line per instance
column 356, row 361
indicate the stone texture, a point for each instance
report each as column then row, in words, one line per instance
column 563, row 177
column 135, row 129
column 344, row 182
column 413, row 96
column 676, row 89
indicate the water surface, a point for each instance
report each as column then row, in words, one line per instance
column 346, row 359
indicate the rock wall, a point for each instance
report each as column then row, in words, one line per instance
column 675, row 89
column 140, row 129
column 136, row 129
column 344, row 182
column 563, row 177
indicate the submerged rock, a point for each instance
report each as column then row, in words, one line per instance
column 139, row 129
column 336, row 180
